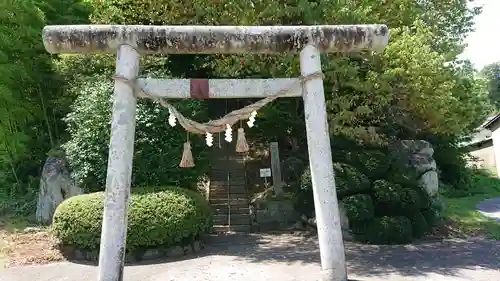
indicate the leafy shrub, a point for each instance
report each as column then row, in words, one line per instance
column 387, row 230
column 292, row 169
column 349, row 180
column 374, row 164
column 410, row 201
column 451, row 158
column 391, row 198
column 419, row 224
column 384, row 212
column 359, row 207
column 157, row 149
column 387, row 194
column 156, row 217
column 431, row 216
column 303, row 199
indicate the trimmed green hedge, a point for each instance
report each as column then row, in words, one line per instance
column 388, row 230
column 359, row 207
column 156, row 217
column 349, row 180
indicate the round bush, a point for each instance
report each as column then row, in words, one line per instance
column 410, row 201
column 388, row 230
column 387, row 195
column 374, row 164
column 156, row 217
column 349, row 180
column 358, row 207
column 392, row 199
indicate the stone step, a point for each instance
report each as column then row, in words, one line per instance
column 241, row 209
column 232, row 201
column 233, row 167
column 236, row 219
column 234, row 211
column 226, row 157
column 232, row 189
column 232, row 228
column 226, row 187
column 225, row 195
column 230, row 184
column 228, row 167
column 223, row 179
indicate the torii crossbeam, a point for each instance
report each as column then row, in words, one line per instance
column 129, row 41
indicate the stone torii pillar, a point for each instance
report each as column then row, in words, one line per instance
column 130, row 41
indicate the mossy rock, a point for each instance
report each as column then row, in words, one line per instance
column 156, row 217
column 359, row 207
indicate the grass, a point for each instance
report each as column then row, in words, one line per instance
column 461, row 210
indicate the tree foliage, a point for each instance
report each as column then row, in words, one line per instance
column 157, row 149
column 491, row 73
column 25, row 86
column 409, row 85
column 32, row 102
column 414, row 89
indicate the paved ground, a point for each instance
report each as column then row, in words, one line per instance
column 490, row 208
column 295, row 258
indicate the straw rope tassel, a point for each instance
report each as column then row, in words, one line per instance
column 187, row 156
column 241, row 142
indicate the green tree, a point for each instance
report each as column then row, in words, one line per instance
column 65, row 11
column 32, row 102
column 412, row 89
column 23, row 64
column 491, row 73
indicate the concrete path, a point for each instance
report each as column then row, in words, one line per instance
column 490, row 208
column 295, row 258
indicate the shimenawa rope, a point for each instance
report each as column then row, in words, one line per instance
column 219, row 125
column 214, row 126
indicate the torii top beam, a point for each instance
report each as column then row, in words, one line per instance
column 147, row 39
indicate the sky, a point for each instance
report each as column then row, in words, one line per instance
column 484, row 43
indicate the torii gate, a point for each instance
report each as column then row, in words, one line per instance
column 129, row 41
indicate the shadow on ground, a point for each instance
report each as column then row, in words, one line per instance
column 441, row 257
column 419, row 259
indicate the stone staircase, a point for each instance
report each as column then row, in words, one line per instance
column 228, row 193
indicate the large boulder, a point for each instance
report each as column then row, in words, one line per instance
column 269, row 212
column 56, row 185
column 418, row 154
